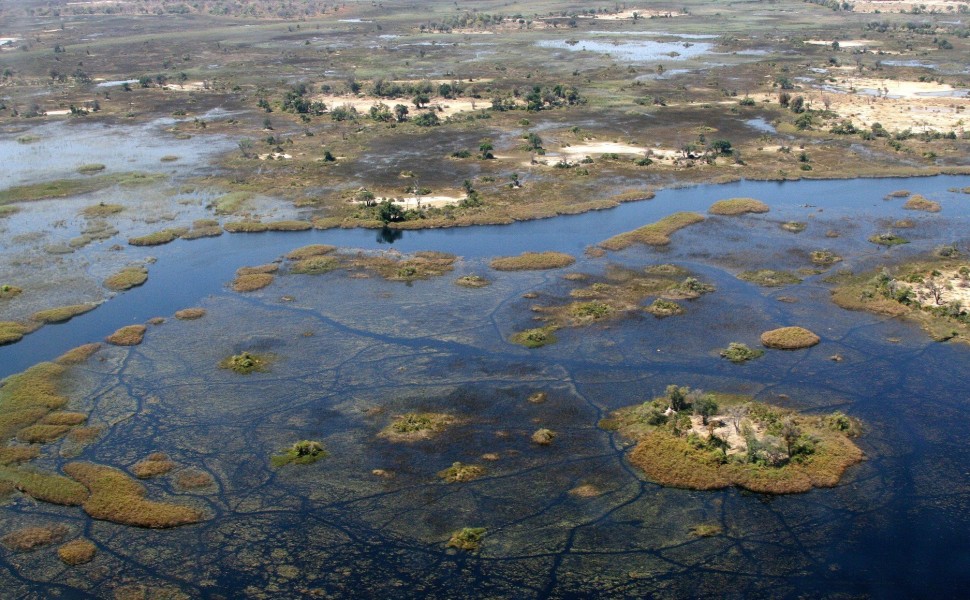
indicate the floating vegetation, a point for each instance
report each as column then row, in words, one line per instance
column 543, row 437
column 654, row 234
column 738, row 206
column 898, row 194
column 304, row 452
column 126, row 279
column 794, row 226
column 130, row 335
column 117, row 498
column 472, row 281
column 824, row 257
column 90, row 169
column 536, row 337
column 260, row 227
column 62, row 313
column 459, row 472
column 467, row 538
column 169, row 158
column 250, row 282
column 887, row 239
column 203, row 228
column 32, row 538
column 688, row 289
column 190, row 314
column 310, row 251
column 769, row 278
column 533, row 261
column 706, row 530
column 789, row 338
column 662, row 308
column 315, row 265
column 737, row 352
column 693, row 440
column 410, row 427
column 155, row 464
column 244, row 363
column 159, row 237
column 101, row 210
column 62, row 188
column 917, row 202
column 77, row 552
column 591, row 311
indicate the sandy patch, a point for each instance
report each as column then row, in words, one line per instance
column 57, row 113
column 844, row 43
column 724, row 429
column 445, row 108
column 628, row 14
column 579, row 151
column 275, row 156
column 892, row 6
column 419, row 202
column 188, row 86
column 951, row 288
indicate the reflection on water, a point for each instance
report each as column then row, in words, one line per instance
column 386, row 235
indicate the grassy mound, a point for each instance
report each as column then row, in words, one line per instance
column 8, row 291
column 100, row 210
column 158, row 238
column 62, row 313
column 309, row 251
column 78, row 355
column 533, row 261
column 739, row 353
column 250, row 282
column 467, row 538
column 31, row 538
column 245, row 363
column 769, row 278
column 153, row 465
column 662, row 308
column 77, row 552
column 45, row 487
column 738, row 206
column 304, row 452
column 789, row 338
column 459, row 473
column 824, row 257
column 654, row 234
column 410, row 427
column 472, row 281
column 536, row 337
column 117, row 498
column 130, row 335
column 887, row 239
column 190, row 314
column 543, row 437
column 12, row 331
column 126, row 279
column 917, row 202
column 315, row 265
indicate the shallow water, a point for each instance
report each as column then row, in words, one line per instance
column 634, row 50
column 351, row 353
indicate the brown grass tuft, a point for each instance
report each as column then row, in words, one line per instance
column 78, row 355
column 77, row 552
column 126, row 279
column 738, row 206
column 654, row 234
column 917, row 202
column 311, row 250
column 789, row 338
column 154, row 465
column 533, row 261
column 130, row 335
column 190, row 314
column 31, row 538
column 63, row 313
column 250, row 282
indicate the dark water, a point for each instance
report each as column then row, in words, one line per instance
column 349, row 354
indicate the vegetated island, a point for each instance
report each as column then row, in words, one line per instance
column 933, row 293
column 693, row 440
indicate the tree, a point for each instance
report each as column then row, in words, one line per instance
column 721, row 146
column 737, row 413
column 485, row 148
column 388, row 212
column 677, row 397
column 706, row 407
column 790, row 432
column 427, row 119
column 400, row 113
column 532, row 141
column 420, row 100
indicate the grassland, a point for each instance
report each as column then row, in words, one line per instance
column 654, row 234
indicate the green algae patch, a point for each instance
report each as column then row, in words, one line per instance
column 250, row 282
column 533, row 261
column 158, row 238
column 8, row 291
column 90, row 169
column 654, row 234
column 245, row 363
column 62, row 314
column 459, row 472
column 699, row 441
column 41, row 433
column 62, row 188
column 738, row 206
column 737, row 352
column 304, row 452
column 76, row 356
column 411, row 427
column 769, row 278
column 933, row 293
column 190, row 314
column 662, row 308
column 918, row 202
column 46, row 487
column 789, row 338
column 536, row 337
column 115, row 497
column 887, row 239
column 467, row 538
column 101, row 210
column 472, row 281
column 130, row 335
column 77, row 552
column 153, row 465
column 126, row 279
column 312, row 250
column 32, row 538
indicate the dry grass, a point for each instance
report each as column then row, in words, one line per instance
column 468, row 538
column 12, row 331
column 654, row 234
column 543, row 437
column 769, row 278
column 8, row 291
column 411, row 427
column 738, row 206
column 459, row 473
column 154, row 465
column 158, row 238
column 250, row 282
column 41, row 434
column 789, row 338
column 190, row 314
column 62, row 313
column 309, row 251
column 126, row 279
column 31, row 538
column 117, row 498
column 917, row 202
column 27, row 397
column 101, row 210
column 77, row 552
column 130, row 335
column 191, row 479
column 78, row 355
column 533, row 261
column 14, row 455
column 472, row 281
column 45, row 487
column 65, row 418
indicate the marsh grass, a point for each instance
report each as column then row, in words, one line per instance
column 459, row 473
column 654, row 234
column 887, row 239
column 304, row 452
column 706, row 530
column 918, row 202
column 62, row 188
column 315, row 265
column 467, row 538
column 46, row 487
column 126, row 279
column 159, row 238
column 101, row 210
column 789, row 338
column 794, row 226
column 472, row 281
column 190, row 314
column 737, row 352
column 738, row 206
column 63, row 313
column 260, row 227
column 417, row 426
column 662, row 308
column 543, row 437
column 77, row 552
column 250, row 282
column 12, row 331
column 78, row 355
column 536, row 337
column 32, row 538
column 245, row 363
column 8, row 291
column 153, row 465
column 41, row 433
column 231, row 202
column 130, row 335
column 769, row 278
column 533, row 261
column 90, row 169
column 115, row 497
column 310, row 251
column 824, row 257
